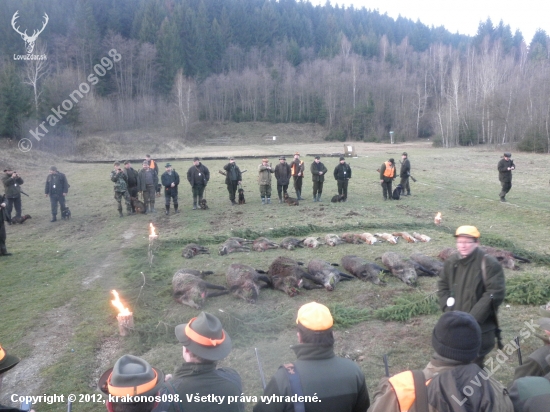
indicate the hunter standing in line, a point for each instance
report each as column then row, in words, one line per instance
column 387, row 174
column 233, row 178
column 404, row 174
column 121, row 188
column 198, row 176
column 132, row 176
column 505, row 167
column 57, row 188
column 318, row 172
column 12, row 188
column 282, row 174
column 338, row 383
column 170, row 180
column 342, row 174
column 473, row 282
column 297, row 171
column 3, row 217
column 153, row 166
column 147, row 182
column 264, row 180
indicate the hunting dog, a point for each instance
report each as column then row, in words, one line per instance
column 138, row 205
column 66, row 213
column 20, row 219
column 396, row 195
column 241, row 196
column 203, row 205
column 290, row 200
column 337, row 198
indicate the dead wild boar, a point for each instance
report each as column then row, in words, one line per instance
column 191, row 290
column 400, row 267
column 286, row 275
column 232, row 245
column 332, row 240
column 291, row 243
column 312, row 242
column 352, row 238
column 244, row 281
column 426, row 265
column 363, row 269
column 323, row 273
column 447, row 253
column 263, row 243
column 192, row 249
column 506, row 258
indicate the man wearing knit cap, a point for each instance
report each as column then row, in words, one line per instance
column 297, row 170
column 405, row 173
column 56, row 189
column 537, row 364
column 325, row 381
column 342, row 175
column 318, row 172
column 264, row 180
column 204, row 344
column 444, row 385
column 473, row 282
column 233, row 178
column 7, row 362
column 131, row 385
column 505, row 167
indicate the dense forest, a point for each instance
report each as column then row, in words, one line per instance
column 109, row 65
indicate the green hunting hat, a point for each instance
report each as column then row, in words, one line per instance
column 53, row 168
column 507, row 154
column 131, row 376
column 205, row 337
column 7, row 361
column 167, row 165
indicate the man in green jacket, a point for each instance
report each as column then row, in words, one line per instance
column 473, row 282
column 505, row 167
column 233, row 178
column 342, row 175
column 264, row 180
column 120, row 179
column 326, row 381
column 147, row 183
column 12, row 186
column 318, row 171
column 204, row 343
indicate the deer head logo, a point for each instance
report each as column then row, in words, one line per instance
column 29, row 40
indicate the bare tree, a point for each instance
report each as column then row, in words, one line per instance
column 184, row 90
column 34, row 71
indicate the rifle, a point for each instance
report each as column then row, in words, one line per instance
column 23, row 193
column 222, row 172
column 386, row 367
column 260, row 367
column 520, row 360
column 412, row 178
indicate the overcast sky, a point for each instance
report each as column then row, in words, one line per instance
column 463, row 15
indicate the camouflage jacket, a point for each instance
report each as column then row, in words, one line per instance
column 121, row 181
column 12, row 186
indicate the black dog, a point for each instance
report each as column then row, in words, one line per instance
column 65, row 213
column 138, row 205
column 241, row 196
column 337, row 198
column 203, row 204
column 397, row 192
column 20, row 219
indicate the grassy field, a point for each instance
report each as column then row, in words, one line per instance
column 55, row 289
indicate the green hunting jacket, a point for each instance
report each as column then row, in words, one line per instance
column 339, row 383
column 202, row 379
column 120, row 179
column 264, row 175
column 315, row 168
column 505, row 175
column 535, row 364
column 462, row 279
column 141, row 185
column 12, row 186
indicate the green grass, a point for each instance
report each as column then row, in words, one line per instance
column 57, row 284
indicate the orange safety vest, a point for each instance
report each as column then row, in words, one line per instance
column 389, row 172
column 403, row 386
column 293, row 168
column 152, row 164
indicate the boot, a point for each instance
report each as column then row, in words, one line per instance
column 195, row 202
column 152, row 207
column 268, row 200
column 319, row 197
column 408, row 193
column 233, row 203
column 314, row 197
column 54, row 218
column 120, row 213
column 502, row 199
column 299, row 195
column 176, row 208
column 167, row 210
column 263, row 200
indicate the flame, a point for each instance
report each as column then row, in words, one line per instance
column 152, row 231
column 118, row 304
column 437, row 219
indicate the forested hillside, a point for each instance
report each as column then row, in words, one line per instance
column 356, row 72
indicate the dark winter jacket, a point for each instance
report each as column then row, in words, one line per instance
column 12, row 186
column 535, row 364
column 405, row 168
column 233, row 173
column 56, row 184
column 198, row 175
column 132, row 176
column 338, row 383
column 505, row 175
column 142, row 184
column 315, row 169
column 202, row 379
column 282, row 173
column 342, row 171
column 462, row 279
column 167, row 179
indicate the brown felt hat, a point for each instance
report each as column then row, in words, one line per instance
column 205, row 337
column 131, row 376
column 7, row 361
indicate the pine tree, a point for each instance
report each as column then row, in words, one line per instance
column 15, row 101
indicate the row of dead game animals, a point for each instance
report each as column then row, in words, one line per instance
column 289, row 275
column 237, row 244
